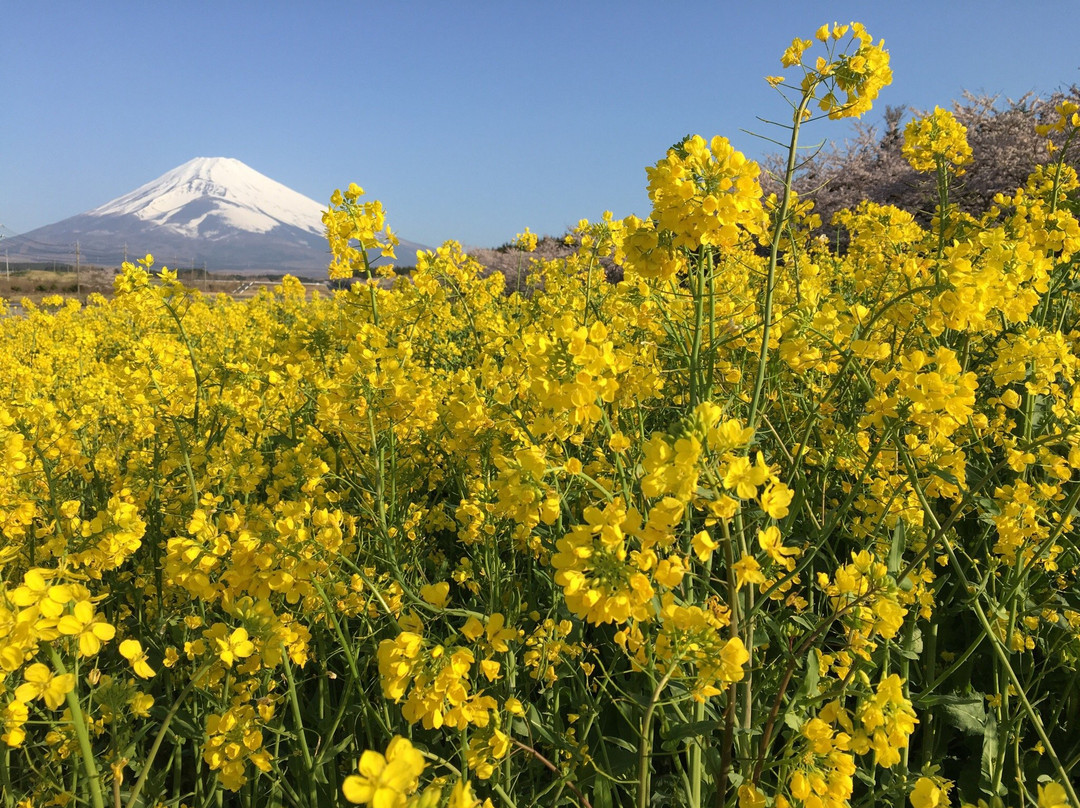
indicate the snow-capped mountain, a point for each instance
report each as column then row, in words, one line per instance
column 212, row 211
column 211, row 196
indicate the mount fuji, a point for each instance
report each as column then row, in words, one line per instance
column 211, row 211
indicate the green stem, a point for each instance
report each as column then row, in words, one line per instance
column 187, row 464
column 696, row 774
column 194, row 363
column 988, row 630
column 943, row 206
column 695, row 759
column 712, row 325
column 294, row 704
column 699, row 320
column 774, row 250
column 588, row 291
column 148, row 764
column 554, row 769
column 645, row 748
column 371, row 283
column 1058, row 165
column 506, row 798
column 5, row 779
column 1033, row 716
column 78, row 720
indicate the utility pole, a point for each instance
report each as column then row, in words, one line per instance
column 78, row 273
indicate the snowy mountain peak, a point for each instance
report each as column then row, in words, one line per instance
column 211, row 196
column 211, row 211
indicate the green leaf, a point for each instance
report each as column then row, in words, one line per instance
column 622, row 743
column 966, row 713
column 602, row 797
column 989, row 755
column 914, row 651
column 676, row 735
column 539, row 727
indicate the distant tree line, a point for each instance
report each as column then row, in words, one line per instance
column 870, row 166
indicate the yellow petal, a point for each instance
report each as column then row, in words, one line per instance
column 356, row 789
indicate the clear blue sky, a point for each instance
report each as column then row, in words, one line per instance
column 469, row 120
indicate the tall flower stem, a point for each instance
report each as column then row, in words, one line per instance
column 645, row 749
column 148, row 763
column 82, row 735
column 995, row 642
column 774, row 251
column 699, row 381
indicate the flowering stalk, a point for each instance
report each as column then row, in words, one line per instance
column 301, row 732
column 148, row 762
column 78, row 722
column 553, row 769
column 779, row 225
column 645, row 747
column 991, row 635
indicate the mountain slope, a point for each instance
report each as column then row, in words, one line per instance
column 212, row 195
column 212, row 211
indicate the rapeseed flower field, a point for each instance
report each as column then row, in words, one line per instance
column 766, row 522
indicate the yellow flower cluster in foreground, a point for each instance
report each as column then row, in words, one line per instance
column 764, row 521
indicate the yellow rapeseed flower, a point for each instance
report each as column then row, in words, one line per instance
column 385, row 781
column 930, row 793
column 133, row 652
column 40, row 682
column 88, row 628
column 936, row 140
